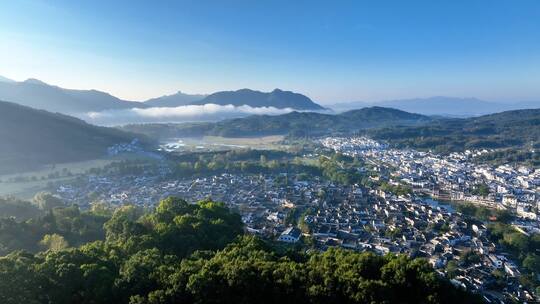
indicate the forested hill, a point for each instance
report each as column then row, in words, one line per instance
column 30, row 137
column 314, row 124
column 296, row 124
column 195, row 253
column 510, row 129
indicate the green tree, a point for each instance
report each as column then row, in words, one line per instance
column 19, row 283
column 54, row 242
column 452, row 269
column 532, row 263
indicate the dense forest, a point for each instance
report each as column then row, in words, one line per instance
column 197, row 253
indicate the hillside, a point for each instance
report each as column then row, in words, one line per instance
column 37, row 94
column 32, row 137
column 296, row 124
column 175, row 100
column 277, row 98
column 510, row 129
column 5, row 79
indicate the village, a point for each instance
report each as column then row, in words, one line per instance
column 323, row 214
column 453, row 177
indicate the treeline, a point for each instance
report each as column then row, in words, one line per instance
column 245, row 161
column 262, row 166
column 510, row 156
column 195, row 253
column 336, row 167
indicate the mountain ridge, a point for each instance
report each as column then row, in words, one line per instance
column 40, row 95
column 277, row 98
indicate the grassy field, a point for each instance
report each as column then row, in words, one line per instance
column 264, row 142
column 25, row 185
column 217, row 143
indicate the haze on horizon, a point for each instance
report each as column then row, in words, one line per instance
column 332, row 52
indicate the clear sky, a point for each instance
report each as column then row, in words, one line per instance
column 331, row 51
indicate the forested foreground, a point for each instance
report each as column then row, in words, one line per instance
column 197, row 253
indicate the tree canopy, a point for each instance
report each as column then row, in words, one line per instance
column 197, row 253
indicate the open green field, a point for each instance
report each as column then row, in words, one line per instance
column 218, row 143
column 263, row 142
column 25, row 185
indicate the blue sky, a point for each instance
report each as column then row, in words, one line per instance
column 332, row 51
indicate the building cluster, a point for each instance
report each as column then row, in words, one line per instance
column 351, row 217
column 384, row 223
column 263, row 200
column 131, row 147
column 453, row 177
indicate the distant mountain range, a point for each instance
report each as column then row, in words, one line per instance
column 30, row 138
column 296, row 124
column 443, row 106
column 277, row 99
column 37, row 94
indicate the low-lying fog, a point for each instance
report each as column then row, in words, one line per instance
column 189, row 113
